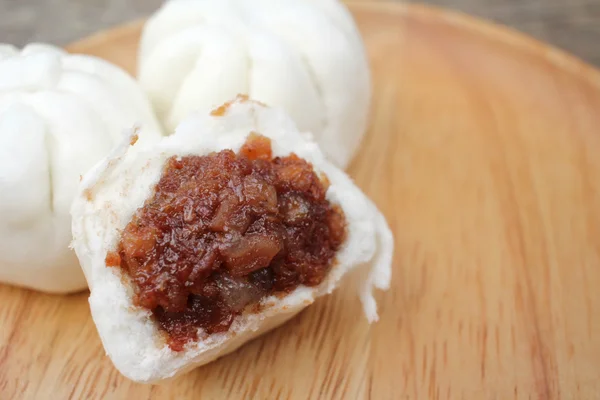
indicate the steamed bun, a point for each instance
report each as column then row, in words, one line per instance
column 59, row 114
column 305, row 56
column 112, row 192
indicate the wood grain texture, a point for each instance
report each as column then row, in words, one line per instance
column 483, row 154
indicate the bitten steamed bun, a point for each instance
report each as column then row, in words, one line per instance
column 59, row 114
column 305, row 56
column 217, row 234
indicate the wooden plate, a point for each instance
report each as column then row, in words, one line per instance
column 484, row 155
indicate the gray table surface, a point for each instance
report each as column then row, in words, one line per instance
column 573, row 25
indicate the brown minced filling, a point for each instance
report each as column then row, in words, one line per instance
column 223, row 231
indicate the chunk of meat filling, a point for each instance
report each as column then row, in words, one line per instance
column 223, row 231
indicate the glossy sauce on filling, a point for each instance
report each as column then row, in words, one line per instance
column 223, row 231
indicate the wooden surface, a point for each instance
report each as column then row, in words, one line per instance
column 570, row 24
column 483, row 154
column 573, row 25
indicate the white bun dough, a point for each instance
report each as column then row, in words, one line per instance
column 111, row 193
column 59, row 115
column 305, row 56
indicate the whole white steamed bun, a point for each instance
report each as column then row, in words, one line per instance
column 305, row 56
column 59, row 115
